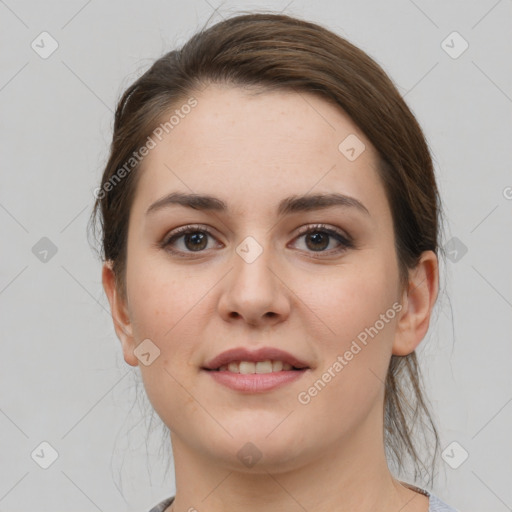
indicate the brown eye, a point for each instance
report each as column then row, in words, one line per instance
column 187, row 239
column 318, row 238
column 195, row 241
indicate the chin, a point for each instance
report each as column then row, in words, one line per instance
column 252, row 450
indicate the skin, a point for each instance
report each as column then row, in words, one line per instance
column 252, row 151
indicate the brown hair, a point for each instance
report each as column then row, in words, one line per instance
column 277, row 52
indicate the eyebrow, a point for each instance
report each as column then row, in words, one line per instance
column 289, row 205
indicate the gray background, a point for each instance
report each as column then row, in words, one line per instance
column 62, row 376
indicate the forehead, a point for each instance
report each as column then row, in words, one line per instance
column 244, row 147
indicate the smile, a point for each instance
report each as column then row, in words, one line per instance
column 249, row 380
column 248, row 367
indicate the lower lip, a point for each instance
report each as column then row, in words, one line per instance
column 255, row 382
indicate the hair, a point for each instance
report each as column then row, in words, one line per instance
column 267, row 52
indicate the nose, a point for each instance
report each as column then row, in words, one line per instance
column 254, row 293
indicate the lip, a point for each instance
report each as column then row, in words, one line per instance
column 256, row 382
column 261, row 354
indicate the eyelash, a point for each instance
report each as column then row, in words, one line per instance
column 344, row 241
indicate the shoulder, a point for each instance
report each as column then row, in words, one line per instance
column 434, row 503
column 160, row 507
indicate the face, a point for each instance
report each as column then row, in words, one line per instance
column 319, row 282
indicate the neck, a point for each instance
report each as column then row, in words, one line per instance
column 349, row 475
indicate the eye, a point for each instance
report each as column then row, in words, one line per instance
column 319, row 237
column 194, row 239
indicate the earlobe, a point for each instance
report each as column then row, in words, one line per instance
column 418, row 301
column 120, row 314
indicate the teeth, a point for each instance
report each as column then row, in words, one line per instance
column 277, row 366
column 248, row 367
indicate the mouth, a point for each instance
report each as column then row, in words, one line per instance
column 256, row 371
column 260, row 361
column 242, row 378
column 258, row 367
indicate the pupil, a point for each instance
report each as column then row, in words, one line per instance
column 197, row 238
column 317, row 238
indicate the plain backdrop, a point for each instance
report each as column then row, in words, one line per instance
column 63, row 379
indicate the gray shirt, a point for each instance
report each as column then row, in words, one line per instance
column 435, row 504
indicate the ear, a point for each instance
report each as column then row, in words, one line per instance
column 417, row 303
column 120, row 314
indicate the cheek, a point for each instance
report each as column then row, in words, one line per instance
column 163, row 306
column 350, row 299
column 362, row 311
column 160, row 297
column 358, row 304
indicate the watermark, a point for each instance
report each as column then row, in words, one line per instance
column 44, row 45
column 351, row 147
column 507, row 192
column 44, row 250
column 249, row 249
column 146, row 352
column 249, row 454
column 454, row 45
column 143, row 151
column 44, row 455
column 454, row 455
column 304, row 397
column 455, row 249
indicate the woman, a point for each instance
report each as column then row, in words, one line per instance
column 270, row 224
